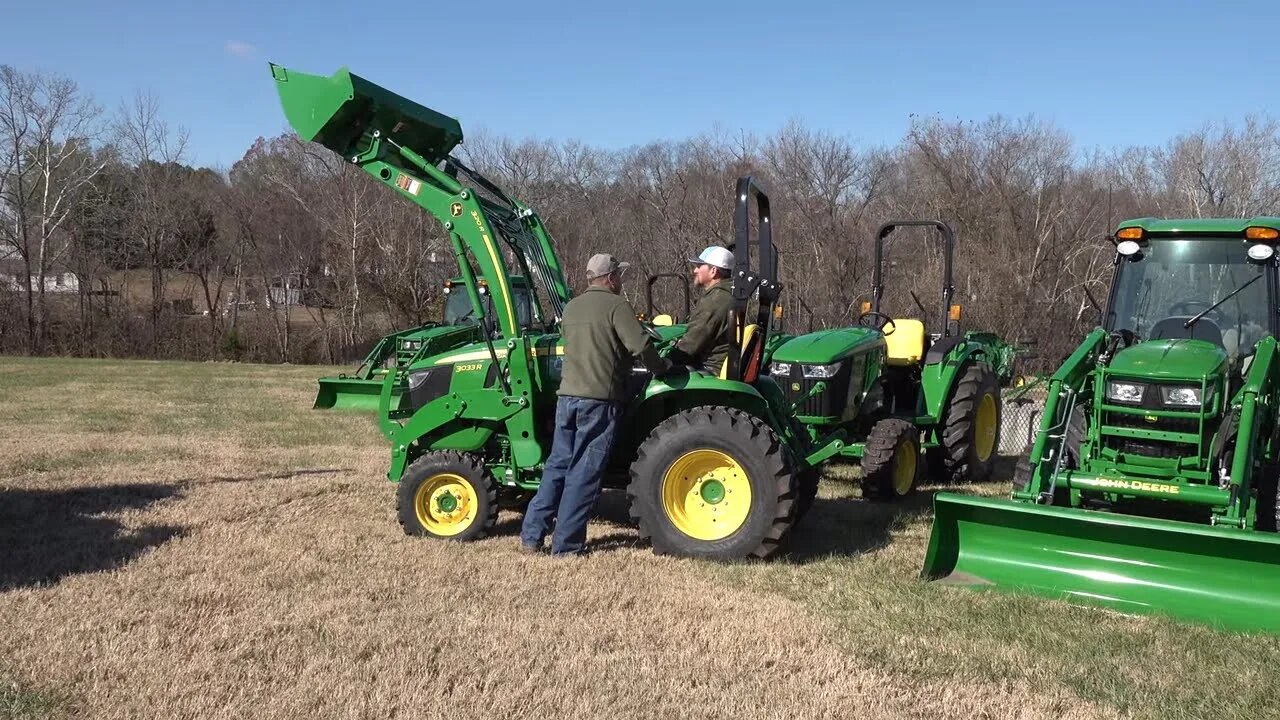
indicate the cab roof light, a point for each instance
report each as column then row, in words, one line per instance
column 1261, row 233
column 1130, row 233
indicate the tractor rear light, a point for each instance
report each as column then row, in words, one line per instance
column 779, row 368
column 821, row 371
column 1261, row 233
column 1181, row 396
column 1125, row 392
column 954, row 313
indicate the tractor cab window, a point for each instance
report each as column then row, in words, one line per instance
column 457, row 306
column 1172, row 281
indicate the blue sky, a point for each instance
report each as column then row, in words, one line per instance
column 615, row 75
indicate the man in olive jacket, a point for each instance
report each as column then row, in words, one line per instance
column 705, row 342
column 601, row 335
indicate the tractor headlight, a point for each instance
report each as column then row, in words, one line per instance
column 1182, row 396
column 1125, row 392
column 417, row 378
column 821, row 371
column 779, row 368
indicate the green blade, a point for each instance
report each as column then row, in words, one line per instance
column 356, row 394
column 1211, row 575
column 336, row 111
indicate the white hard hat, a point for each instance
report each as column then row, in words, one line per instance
column 716, row 256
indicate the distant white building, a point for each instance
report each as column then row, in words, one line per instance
column 13, row 276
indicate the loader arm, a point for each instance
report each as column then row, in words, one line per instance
column 402, row 145
column 1065, row 384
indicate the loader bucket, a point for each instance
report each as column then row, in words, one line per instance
column 349, row 393
column 1212, row 575
column 336, row 111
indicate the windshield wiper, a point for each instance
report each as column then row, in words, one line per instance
column 1230, row 295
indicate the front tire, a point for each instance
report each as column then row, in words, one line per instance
column 447, row 495
column 712, row 482
column 891, row 462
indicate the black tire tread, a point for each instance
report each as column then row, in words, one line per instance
column 468, row 466
column 958, row 456
column 877, row 458
column 722, row 420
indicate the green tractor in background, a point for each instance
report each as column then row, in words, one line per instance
column 459, row 326
column 711, row 464
column 906, row 390
column 1151, row 485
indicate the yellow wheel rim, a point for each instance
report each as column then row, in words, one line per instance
column 904, row 467
column 984, row 427
column 445, row 504
column 706, row 495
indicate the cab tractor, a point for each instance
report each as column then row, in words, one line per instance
column 1151, row 483
column 710, row 462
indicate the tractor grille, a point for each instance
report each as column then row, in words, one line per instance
column 830, row 402
column 1151, row 448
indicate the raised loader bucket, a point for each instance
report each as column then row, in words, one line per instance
column 349, row 393
column 337, row 110
column 1216, row 576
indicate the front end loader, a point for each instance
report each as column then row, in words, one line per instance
column 710, row 463
column 1151, row 485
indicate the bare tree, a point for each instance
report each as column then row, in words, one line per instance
column 155, row 152
column 48, row 161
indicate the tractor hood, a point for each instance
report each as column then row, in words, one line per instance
column 825, row 346
column 1173, row 359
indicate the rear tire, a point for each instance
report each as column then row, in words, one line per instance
column 971, row 426
column 447, row 495
column 692, row 468
column 891, row 462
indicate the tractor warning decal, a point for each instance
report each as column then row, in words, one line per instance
column 408, row 184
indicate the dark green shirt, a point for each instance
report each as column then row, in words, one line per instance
column 706, row 341
column 601, row 335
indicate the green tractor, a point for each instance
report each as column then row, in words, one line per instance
column 1151, row 484
column 459, row 326
column 909, row 391
column 711, row 464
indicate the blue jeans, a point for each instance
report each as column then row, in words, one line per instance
column 570, row 485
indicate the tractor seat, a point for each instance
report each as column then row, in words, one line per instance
column 747, row 333
column 905, row 344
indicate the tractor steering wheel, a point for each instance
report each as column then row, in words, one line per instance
column 884, row 321
column 1186, row 308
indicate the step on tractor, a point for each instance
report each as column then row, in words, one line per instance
column 710, row 463
column 1150, row 486
column 906, row 392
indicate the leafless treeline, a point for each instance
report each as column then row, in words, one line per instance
column 112, row 245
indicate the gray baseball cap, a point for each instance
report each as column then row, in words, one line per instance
column 602, row 264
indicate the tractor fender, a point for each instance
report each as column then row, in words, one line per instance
column 942, row 370
column 463, row 421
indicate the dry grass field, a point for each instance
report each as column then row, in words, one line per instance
column 193, row 541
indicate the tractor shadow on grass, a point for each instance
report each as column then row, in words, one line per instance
column 48, row 535
column 845, row 526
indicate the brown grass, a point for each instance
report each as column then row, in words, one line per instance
column 191, row 540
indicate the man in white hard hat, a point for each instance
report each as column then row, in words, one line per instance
column 706, row 341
